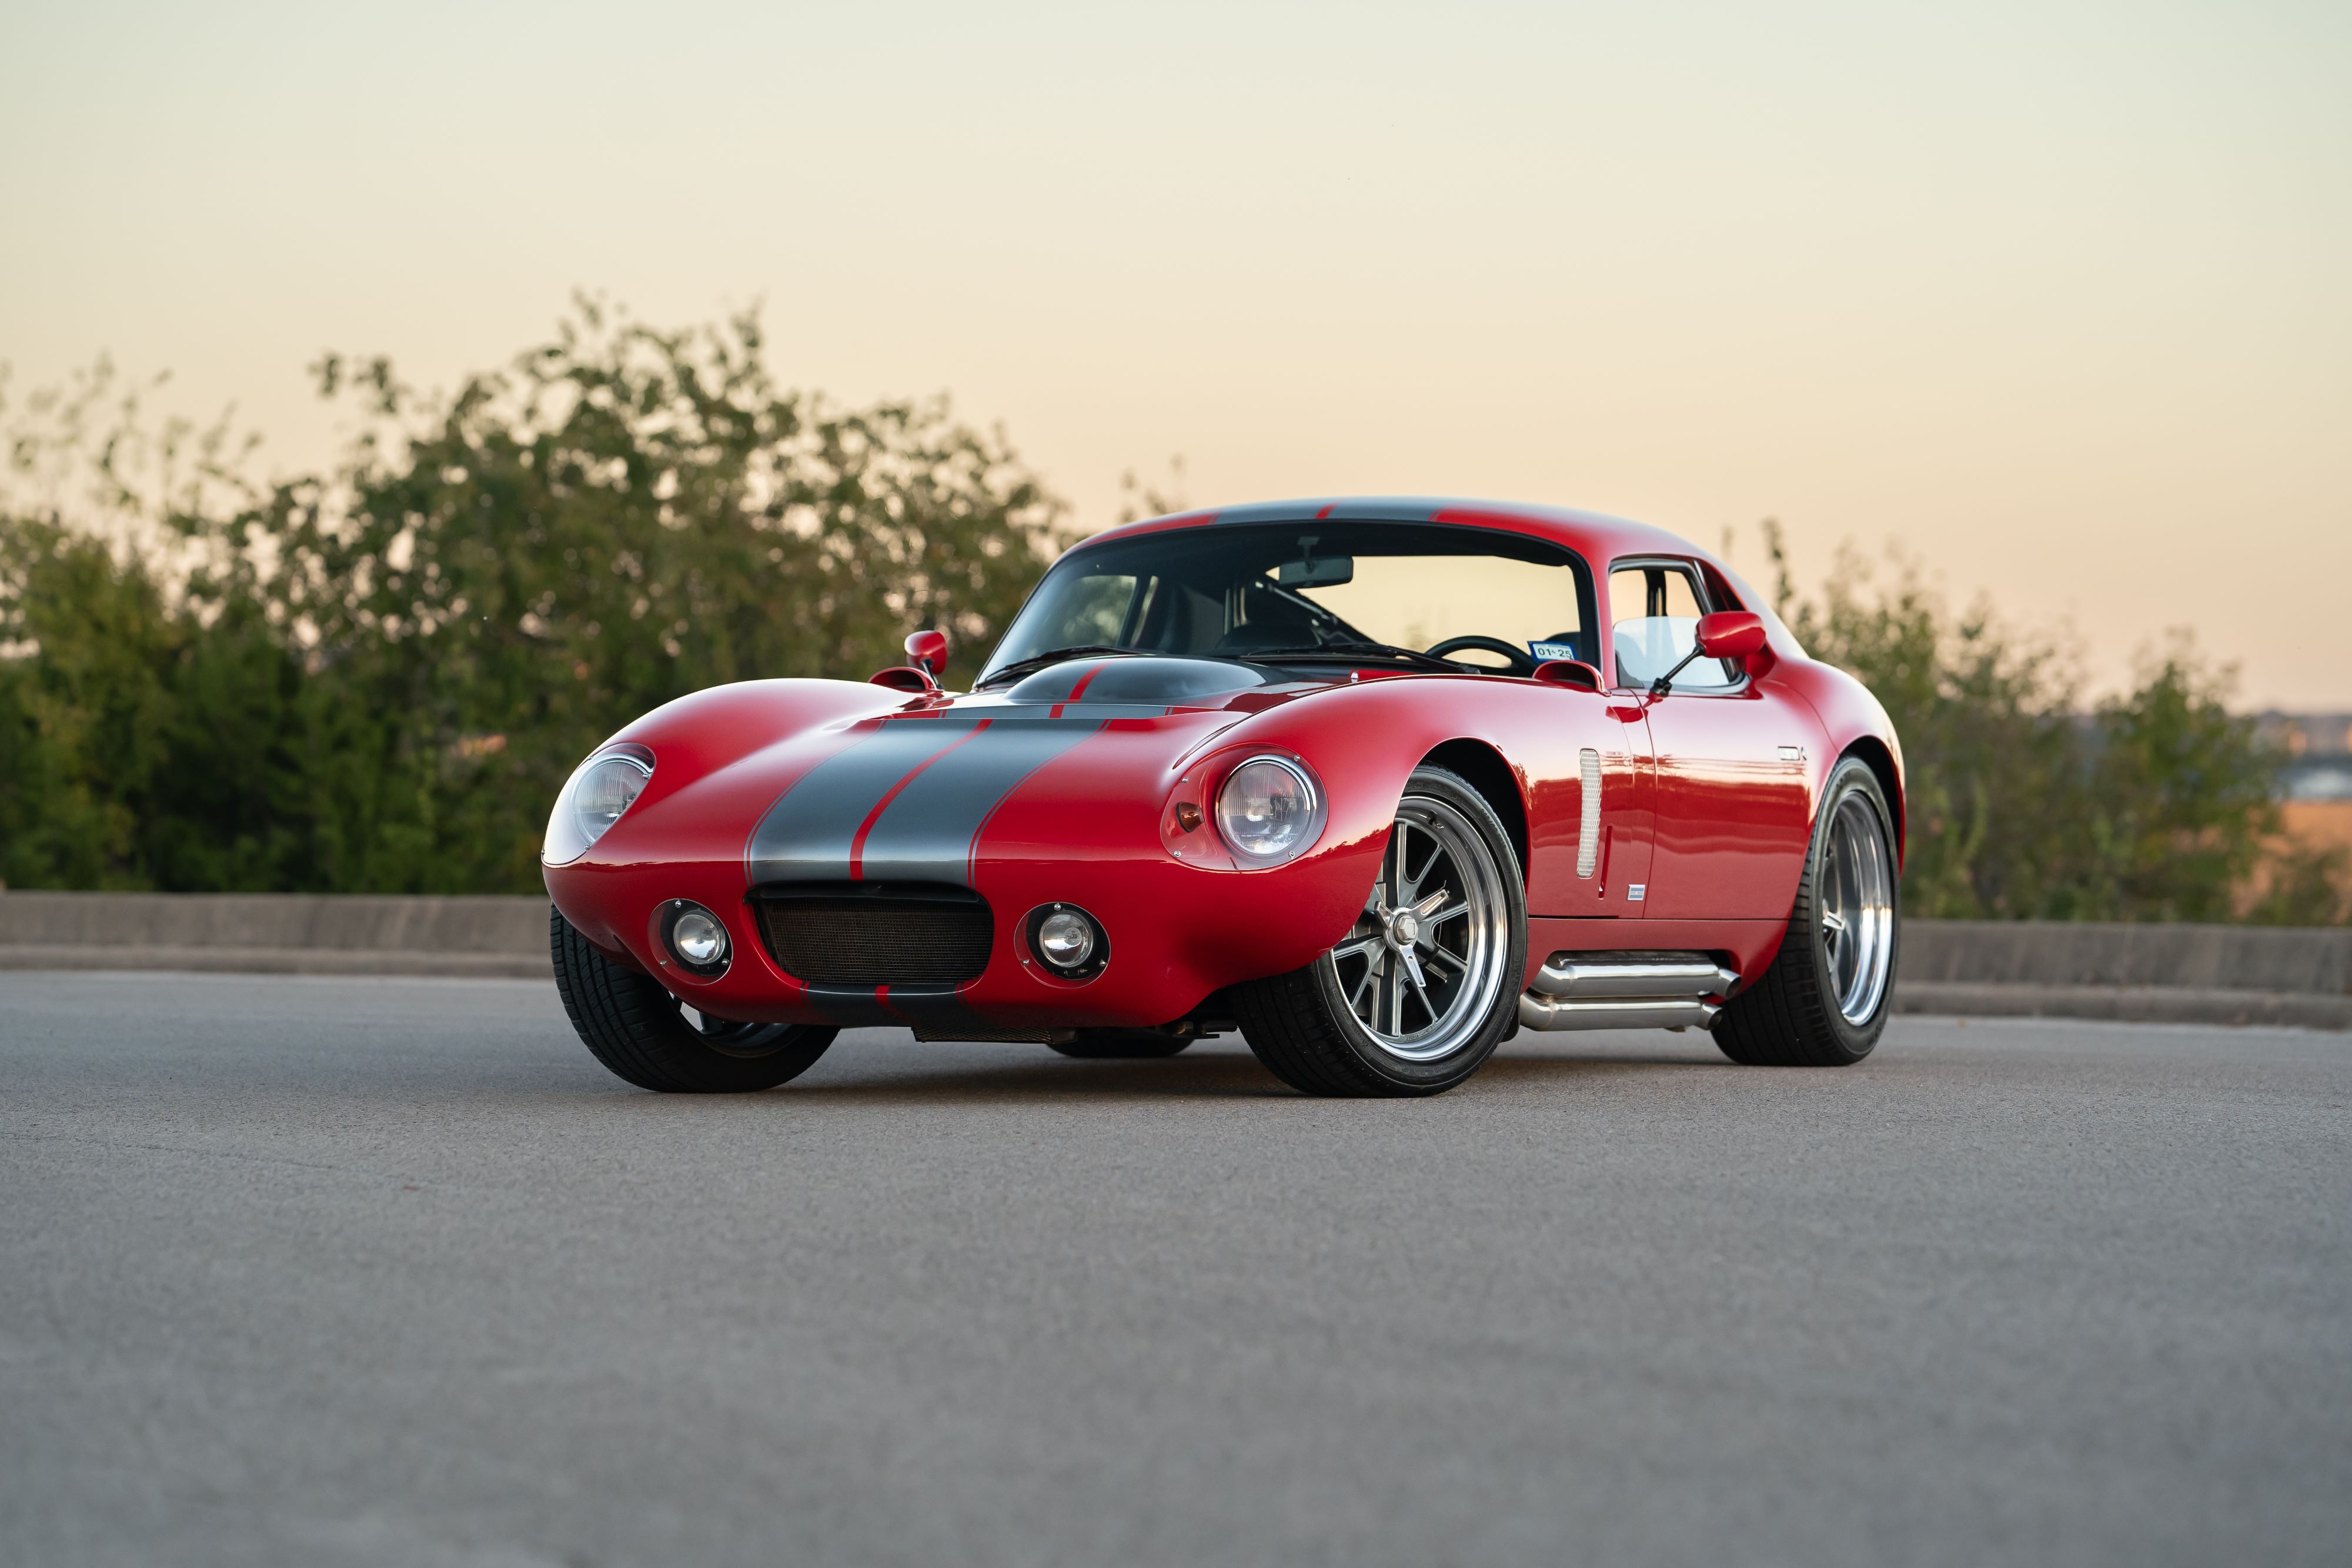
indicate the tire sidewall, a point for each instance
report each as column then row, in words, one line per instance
column 1451, row 790
column 1852, row 777
column 793, row 1053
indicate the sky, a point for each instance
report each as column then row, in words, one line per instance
column 2055, row 297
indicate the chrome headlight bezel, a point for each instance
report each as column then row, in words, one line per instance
column 570, row 833
column 1307, row 823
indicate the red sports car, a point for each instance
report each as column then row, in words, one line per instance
column 1377, row 782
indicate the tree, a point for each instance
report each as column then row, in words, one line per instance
column 375, row 678
column 2158, row 804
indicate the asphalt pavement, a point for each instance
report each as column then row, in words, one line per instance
column 378, row 1271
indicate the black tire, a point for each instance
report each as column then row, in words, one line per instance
column 1121, row 1045
column 1302, row 1026
column 632, row 1025
column 1791, row 1016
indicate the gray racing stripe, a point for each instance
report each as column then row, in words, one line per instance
column 926, row 832
column 805, row 835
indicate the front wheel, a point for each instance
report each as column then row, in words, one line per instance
column 1418, row 995
column 634, row 1026
column 1823, row 1001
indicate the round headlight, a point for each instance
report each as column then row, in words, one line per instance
column 1065, row 940
column 1267, row 810
column 699, row 937
column 605, row 791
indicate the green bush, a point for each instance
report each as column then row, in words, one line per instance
column 374, row 679
column 2158, row 804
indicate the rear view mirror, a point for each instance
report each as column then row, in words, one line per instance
column 1329, row 571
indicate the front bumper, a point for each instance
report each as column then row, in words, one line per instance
column 1177, row 932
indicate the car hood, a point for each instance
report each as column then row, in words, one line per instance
column 863, row 784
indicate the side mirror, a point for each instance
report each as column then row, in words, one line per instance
column 1725, row 635
column 1731, row 634
column 1568, row 673
column 929, row 651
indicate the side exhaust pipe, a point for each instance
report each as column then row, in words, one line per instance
column 1627, row 990
column 1616, row 1013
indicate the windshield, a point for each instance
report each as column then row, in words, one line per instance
column 1240, row 591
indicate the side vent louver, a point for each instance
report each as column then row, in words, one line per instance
column 1588, row 830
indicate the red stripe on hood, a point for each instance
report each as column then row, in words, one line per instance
column 857, row 839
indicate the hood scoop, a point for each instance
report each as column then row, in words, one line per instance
column 1164, row 682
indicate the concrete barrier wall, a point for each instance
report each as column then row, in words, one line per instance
column 274, row 933
column 2204, row 957
column 2215, row 974
column 2146, row 974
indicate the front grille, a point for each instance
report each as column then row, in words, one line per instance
column 878, row 934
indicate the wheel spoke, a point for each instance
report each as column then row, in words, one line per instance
column 1423, row 998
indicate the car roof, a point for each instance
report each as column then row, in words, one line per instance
column 1598, row 537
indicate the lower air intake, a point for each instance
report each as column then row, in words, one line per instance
column 878, row 934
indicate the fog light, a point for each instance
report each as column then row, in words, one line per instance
column 700, row 938
column 696, row 938
column 1070, row 941
column 1065, row 940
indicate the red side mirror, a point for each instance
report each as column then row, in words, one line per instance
column 929, row 651
column 1568, row 673
column 1731, row 634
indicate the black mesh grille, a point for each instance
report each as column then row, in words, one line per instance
column 872, row 934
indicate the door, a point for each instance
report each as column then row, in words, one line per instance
column 1590, row 802
column 1733, row 809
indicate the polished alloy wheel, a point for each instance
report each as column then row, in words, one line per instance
column 1422, row 966
column 1857, row 908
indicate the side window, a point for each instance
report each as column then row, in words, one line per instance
column 1655, row 609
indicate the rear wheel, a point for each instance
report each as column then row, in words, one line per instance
column 1823, row 1001
column 1417, row 995
column 636, row 1028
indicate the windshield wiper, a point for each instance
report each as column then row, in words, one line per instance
column 1036, row 662
column 1348, row 652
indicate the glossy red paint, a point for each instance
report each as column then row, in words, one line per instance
column 1568, row 673
column 927, row 651
column 1706, row 805
column 1730, row 634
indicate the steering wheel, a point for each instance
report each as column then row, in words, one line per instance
column 1522, row 661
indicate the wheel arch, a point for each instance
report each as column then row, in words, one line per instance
column 1874, row 752
column 1481, row 767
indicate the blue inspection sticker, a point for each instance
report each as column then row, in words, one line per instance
column 1542, row 651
